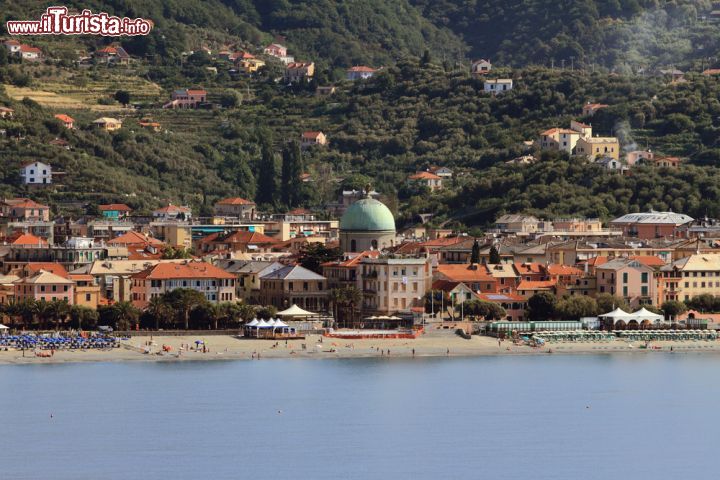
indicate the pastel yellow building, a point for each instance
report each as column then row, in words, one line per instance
column 598, row 147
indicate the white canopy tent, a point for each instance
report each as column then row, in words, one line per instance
column 645, row 314
column 3, row 327
column 296, row 311
column 618, row 314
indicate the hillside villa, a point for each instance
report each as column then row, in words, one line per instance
column 187, row 98
column 481, row 67
column 108, row 124
column 66, row 120
column 360, row 72
column 297, row 72
column 308, row 139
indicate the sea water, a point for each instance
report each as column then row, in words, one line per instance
column 577, row 417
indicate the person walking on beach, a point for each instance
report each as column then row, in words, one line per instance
column 448, row 352
column 413, row 352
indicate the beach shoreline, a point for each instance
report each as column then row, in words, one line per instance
column 226, row 347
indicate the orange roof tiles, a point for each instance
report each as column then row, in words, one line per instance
column 54, row 268
column 29, row 239
column 111, row 207
column 536, row 285
column 235, row 201
column 189, row 270
column 134, row 238
column 424, row 176
column 464, row 273
column 64, row 118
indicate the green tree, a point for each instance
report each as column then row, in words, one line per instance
column 267, row 175
column 673, row 308
column 123, row 97
column 314, row 254
column 230, row 99
column 291, row 186
column 541, row 306
column 83, row 318
column 160, row 311
column 607, row 303
column 494, row 256
column 575, row 307
column 125, row 314
column 475, row 253
column 183, row 301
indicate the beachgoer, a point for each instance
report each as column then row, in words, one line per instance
column 448, row 352
column 413, row 352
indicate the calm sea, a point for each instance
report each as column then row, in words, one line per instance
column 556, row 417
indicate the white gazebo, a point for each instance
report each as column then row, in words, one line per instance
column 296, row 312
column 645, row 314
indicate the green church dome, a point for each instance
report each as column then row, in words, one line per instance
column 367, row 215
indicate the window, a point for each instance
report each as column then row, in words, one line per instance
column 625, row 291
column 625, row 277
column 644, row 291
column 644, row 277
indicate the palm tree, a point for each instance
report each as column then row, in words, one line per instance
column 58, row 311
column 159, row 310
column 353, row 298
column 125, row 315
column 82, row 315
column 184, row 300
column 336, row 298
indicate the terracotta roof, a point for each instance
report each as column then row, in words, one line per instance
column 79, row 277
column 532, row 267
column 235, row 201
column 108, row 50
column 23, row 203
column 29, row 239
column 189, row 270
column 536, row 285
column 240, row 236
column 463, row 273
column 172, row 209
column 500, row 297
column 649, row 260
column 352, row 261
column 55, row 268
column 191, row 91
column 110, row 207
column 64, row 118
column 361, row 68
column 553, row 131
column 135, row 238
column 445, row 285
column 556, row 269
column 311, row 135
column 29, row 49
column 595, row 105
column 424, row 176
column 712, row 71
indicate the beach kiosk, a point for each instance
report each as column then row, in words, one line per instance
column 301, row 320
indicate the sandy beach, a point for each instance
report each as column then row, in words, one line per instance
column 432, row 344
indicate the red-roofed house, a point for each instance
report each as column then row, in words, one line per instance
column 360, row 72
column 527, row 289
column 481, row 67
column 430, row 180
column 29, row 53
column 236, row 207
column 6, row 112
column 66, row 120
column 216, row 284
column 238, row 241
column 514, row 305
column 112, row 54
column 589, row 109
column 31, row 268
column 474, row 276
column 44, row 286
column 297, row 72
column 172, row 212
column 187, row 98
column 139, row 246
column 308, row 139
column 114, row 211
column 23, row 209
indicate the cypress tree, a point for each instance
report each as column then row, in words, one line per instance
column 291, row 171
column 266, row 184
